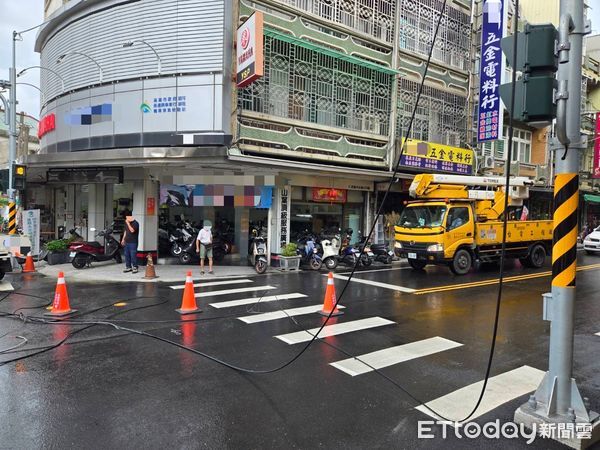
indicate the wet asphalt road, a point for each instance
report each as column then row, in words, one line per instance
column 109, row 388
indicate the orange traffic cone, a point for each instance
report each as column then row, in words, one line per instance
column 60, row 306
column 29, row 267
column 330, row 301
column 188, row 302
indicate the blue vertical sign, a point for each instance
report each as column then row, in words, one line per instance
column 490, row 114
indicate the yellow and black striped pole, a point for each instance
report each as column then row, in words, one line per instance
column 12, row 218
column 564, row 244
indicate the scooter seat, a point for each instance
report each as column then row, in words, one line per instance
column 94, row 244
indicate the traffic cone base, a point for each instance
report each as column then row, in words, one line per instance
column 188, row 302
column 29, row 266
column 60, row 305
column 330, row 301
column 61, row 313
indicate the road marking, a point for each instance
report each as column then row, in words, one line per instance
column 249, row 301
column 214, row 283
column 394, row 355
column 500, row 389
column 515, row 278
column 5, row 286
column 377, row 284
column 281, row 314
column 334, row 330
column 233, row 291
column 597, row 334
column 375, row 270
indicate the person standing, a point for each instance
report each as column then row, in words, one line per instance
column 130, row 243
column 204, row 247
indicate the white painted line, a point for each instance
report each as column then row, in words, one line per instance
column 377, row 284
column 5, row 286
column 249, row 301
column 597, row 334
column 358, row 272
column 281, row 314
column 500, row 389
column 233, row 291
column 394, row 355
column 214, row 283
column 334, row 330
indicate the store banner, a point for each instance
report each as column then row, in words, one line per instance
column 249, row 49
column 438, row 157
column 175, row 195
column 493, row 29
column 31, row 228
column 596, row 163
column 216, row 195
column 329, row 195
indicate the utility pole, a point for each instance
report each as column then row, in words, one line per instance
column 12, row 138
column 557, row 404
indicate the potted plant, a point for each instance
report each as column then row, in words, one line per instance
column 289, row 258
column 57, row 252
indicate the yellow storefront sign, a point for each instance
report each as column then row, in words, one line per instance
column 438, row 157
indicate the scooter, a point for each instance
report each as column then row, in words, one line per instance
column 348, row 253
column 307, row 250
column 188, row 254
column 258, row 251
column 111, row 250
column 364, row 250
column 331, row 251
column 78, row 244
column 382, row 254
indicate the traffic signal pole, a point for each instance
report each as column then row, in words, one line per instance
column 558, row 400
column 12, row 138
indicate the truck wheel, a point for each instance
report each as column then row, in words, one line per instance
column 537, row 257
column 462, row 262
column 417, row 264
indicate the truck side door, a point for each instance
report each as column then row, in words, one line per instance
column 459, row 228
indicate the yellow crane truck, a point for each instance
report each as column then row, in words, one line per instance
column 458, row 221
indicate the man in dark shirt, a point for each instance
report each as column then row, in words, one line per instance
column 130, row 243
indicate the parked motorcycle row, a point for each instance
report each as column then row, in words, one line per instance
column 333, row 249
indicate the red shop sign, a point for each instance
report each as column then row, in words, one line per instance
column 46, row 125
column 332, row 195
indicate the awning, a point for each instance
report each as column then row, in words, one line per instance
column 327, row 51
column 591, row 198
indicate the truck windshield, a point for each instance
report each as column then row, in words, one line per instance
column 422, row 216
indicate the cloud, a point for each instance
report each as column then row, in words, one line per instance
column 20, row 15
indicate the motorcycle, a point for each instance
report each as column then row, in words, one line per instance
column 382, row 254
column 78, row 244
column 348, row 253
column 82, row 257
column 189, row 253
column 258, row 251
column 364, row 250
column 307, row 250
column 182, row 237
column 331, row 251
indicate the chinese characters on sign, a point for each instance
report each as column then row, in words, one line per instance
column 31, row 228
column 489, row 118
column 596, row 166
column 437, row 157
column 284, row 209
column 249, row 50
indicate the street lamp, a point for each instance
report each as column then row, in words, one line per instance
column 62, row 80
column 129, row 44
column 35, row 87
column 75, row 52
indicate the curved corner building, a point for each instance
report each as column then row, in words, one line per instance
column 141, row 112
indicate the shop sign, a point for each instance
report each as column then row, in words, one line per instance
column 86, row 175
column 437, row 157
column 490, row 114
column 46, row 125
column 249, row 50
column 596, row 166
column 150, row 206
column 330, row 195
column 90, row 115
column 284, row 206
column 161, row 105
column 31, row 228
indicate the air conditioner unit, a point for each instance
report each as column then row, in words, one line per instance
column 487, row 162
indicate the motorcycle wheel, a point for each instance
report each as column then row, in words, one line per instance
column 176, row 249
column 316, row 263
column 388, row 260
column 118, row 258
column 185, row 258
column 260, row 266
column 331, row 263
column 365, row 260
column 80, row 261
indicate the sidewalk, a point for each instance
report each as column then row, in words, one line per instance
column 112, row 272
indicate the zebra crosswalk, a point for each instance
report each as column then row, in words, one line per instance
column 501, row 388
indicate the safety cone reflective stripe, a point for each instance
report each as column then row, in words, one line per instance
column 330, row 301
column 60, row 305
column 188, row 302
column 29, row 266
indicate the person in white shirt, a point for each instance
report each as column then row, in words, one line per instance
column 204, row 247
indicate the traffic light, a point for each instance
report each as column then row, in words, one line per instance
column 19, row 175
column 538, row 61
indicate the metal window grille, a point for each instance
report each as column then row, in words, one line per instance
column 304, row 84
column 418, row 19
column 441, row 116
column 371, row 17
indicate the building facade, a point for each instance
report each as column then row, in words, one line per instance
column 150, row 117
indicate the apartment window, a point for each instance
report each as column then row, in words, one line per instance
column 521, row 146
column 440, row 117
column 418, row 19
column 304, row 84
